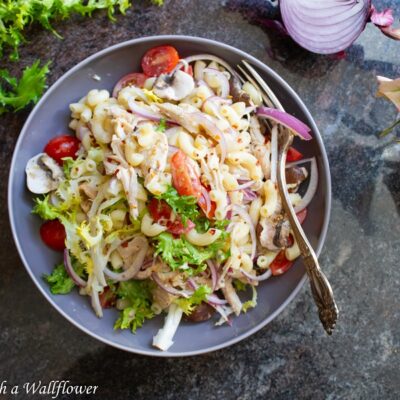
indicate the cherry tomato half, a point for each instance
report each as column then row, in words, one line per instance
column 184, row 177
column 161, row 212
column 62, row 146
column 293, row 155
column 281, row 264
column 53, row 234
column 203, row 205
column 160, row 60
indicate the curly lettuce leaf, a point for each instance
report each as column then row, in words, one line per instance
column 25, row 91
column 137, row 294
column 188, row 304
column 250, row 303
column 59, row 281
column 45, row 209
column 184, row 206
column 179, row 252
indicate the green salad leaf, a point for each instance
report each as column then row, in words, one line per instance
column 162, row 126
column 24, row 91
column 59, row 280
column 187, row 305
column 137, row 295
column 184, row 206
column 179, row 252
column 44, row 209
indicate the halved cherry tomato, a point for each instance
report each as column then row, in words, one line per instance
column 293, row 155
column 184, row 177
column 108, row 298
column 302, row 215
column 53, row 234
column 62, row 146
column 160, row 60
column 161, row 212
column 281, row 264
column 203, row 205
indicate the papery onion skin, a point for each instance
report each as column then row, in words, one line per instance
column 325, row 27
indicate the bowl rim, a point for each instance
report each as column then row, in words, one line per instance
column 202, row 41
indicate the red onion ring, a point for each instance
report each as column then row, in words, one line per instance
column 312, row 187
column 214, row 273
column 170, row 289
column 206, row 197
column 222, row 79
column 256, row 278
column 327, row 26
column 144, row 112
column 283, row 118
column 70, row 270
column 243, row 186
column 121, row 83
column 212, row 299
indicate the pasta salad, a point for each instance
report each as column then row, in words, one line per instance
column 165, row 199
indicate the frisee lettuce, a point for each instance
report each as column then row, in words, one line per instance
column 188, row 304
column 24, row 91
column 184, row 206
column 59, row 281
column 180, row 252
column 138, row 296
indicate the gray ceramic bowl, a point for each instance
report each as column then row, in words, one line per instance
column 51, row 116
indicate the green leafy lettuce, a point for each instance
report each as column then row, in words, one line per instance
column 178, row 252
column 187, row 305
column 59, row 281
column 24, row 91
column 184, row 206
column 137, row 295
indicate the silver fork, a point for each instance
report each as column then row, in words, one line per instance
column 320, row 287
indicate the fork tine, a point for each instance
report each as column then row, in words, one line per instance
column 254, row 83
column 275, row 102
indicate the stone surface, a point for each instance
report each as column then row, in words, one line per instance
column 291, row 358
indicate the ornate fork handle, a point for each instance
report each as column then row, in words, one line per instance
column 320, row 287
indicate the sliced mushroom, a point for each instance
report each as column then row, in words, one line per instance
column 43, row 174
column 295, row 175
column 274, row 232
column 202, row 312
column 238, row 94
column 174, row 87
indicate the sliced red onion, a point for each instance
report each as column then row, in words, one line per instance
column 223, row 80
column 212, row 130
column 122, row 83
column 133, row 269
column 211, row 57
column 214, row 273
column 207, row 200
column 229, row 211
column 245, row 215
column 249, row 195
column 212, row 299
column 170, row 289
column 312, row 188
column 283, row 118
column 70, row 270
column 257, row 278
column 243, row 186
column 327, row 26
column 144, row 112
